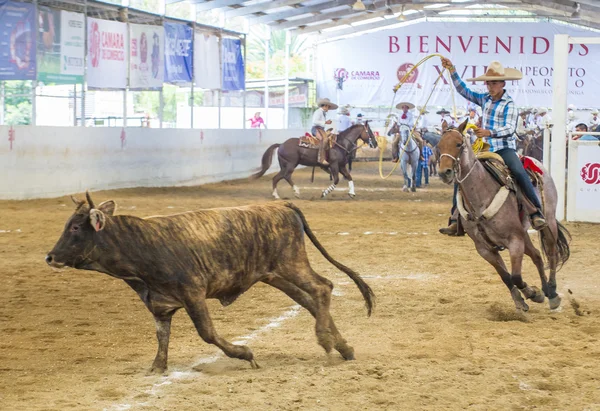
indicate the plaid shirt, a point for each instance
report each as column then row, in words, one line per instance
column 426, row 154
column 500, row 117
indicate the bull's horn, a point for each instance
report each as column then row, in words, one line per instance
column 89, row 200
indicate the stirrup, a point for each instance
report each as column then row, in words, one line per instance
column 538, row 222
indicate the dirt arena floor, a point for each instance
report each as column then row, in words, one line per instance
column 444, row 334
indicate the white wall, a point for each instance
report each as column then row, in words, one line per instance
column 54, row 161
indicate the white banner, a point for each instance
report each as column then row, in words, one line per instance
column 107, row 52
column 72, row 42
column 147, row 58
column 363, row 70
column 207, row 71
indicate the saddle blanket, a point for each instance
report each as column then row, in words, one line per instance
column 308, row 141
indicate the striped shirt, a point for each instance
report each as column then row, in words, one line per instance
column 499, row 117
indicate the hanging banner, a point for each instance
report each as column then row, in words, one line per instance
column 207, row 71
column 17, row 41
column 386, row 56
column 107, row 52
column 60, row 46
column 179, row 53
column 146, row 62
column 233, row 65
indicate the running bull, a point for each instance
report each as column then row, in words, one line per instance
column 179, row 261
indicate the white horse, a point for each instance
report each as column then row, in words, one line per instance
column 410, row 154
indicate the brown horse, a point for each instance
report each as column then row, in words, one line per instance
column 490, row 215
column 290, row 155
column 534, row 146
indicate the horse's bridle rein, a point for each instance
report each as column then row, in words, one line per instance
column 354, row 146
column 456, row 160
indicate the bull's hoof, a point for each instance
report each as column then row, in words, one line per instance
column 158, row 369
column 554, row 302
column 254, row 364
column 346, row 351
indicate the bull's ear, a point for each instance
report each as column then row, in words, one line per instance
column 77, row 202
column 97, row 219
column 462, row 127
column 444, row 126
column 108, row 207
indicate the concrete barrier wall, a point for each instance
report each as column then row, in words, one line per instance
column 54, row 161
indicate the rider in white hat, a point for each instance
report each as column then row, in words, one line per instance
column 319, row 123
column 498, row 126
column 344, row 122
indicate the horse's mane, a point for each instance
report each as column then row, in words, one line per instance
column 343, row 133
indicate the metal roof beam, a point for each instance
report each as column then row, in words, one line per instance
column 215, row 4
column 282, row 15
column 256, row 8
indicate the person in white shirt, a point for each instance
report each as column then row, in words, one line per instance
column 543, row 120
column 595, row 120
column 523, row 126
column 423, row 123
column 406, row 116
column 344, row 122
column 445, row 117
column 571, row 121
column 318, row 128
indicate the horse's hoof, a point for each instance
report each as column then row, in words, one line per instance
column 554, row 302
column 538, row 297
column 351, row 195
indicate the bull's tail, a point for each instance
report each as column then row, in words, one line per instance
column 267, row 159
column 364, row 288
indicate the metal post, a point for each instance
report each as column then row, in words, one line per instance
column 2, row 93
column 559, row 111
column 75, row 105
column 161, row 107
column 192, row 105
column 286, row 93
column 85, row 47
column 244, row 91
column 124, row 14
column 36, row 29
column 267, row 41
column 547, row 142
column 220, row 71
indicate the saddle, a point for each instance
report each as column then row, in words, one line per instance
column 313, row 142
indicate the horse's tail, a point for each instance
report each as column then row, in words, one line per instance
column 364, row 288
column 267, row 159
column 563, row 238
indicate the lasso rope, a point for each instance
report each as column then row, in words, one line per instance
column 382, row 141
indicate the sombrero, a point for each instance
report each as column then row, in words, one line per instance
column 443, row 111
column 542, row 110
column 460, row 113
column 595, row 111
column 405, row 103
column 422, row 110
column 497, row 72
column 525, row 112
column 344, row 110
column 326, row 101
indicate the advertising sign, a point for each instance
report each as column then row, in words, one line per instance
column 179, row 53
column 107, row 52
column 147, row 53
column 17, row 41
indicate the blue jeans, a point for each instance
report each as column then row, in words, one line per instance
column 422, row 170
column 520, row 175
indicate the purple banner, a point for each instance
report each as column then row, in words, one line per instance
column 17, row 41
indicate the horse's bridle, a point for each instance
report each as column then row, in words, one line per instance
column 354, row 146
column 456, row 160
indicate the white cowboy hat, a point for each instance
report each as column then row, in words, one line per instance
column 525, row 111
column 595, row 111
column 422, row 110
column 443, row 111
column 496, row 71
column 542, row 110
column 572, row 107
column 405, row 103
column 344, row 110
column 326, row 101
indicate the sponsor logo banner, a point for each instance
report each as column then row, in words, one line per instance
column 17, row 41
column 179, row 53
column 60, row 51
column 146, row 64
column 107, row 52
column 366, row 68
column 233, row 65
column 588, row 183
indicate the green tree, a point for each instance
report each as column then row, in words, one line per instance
column 255, row 54
column 17, row 102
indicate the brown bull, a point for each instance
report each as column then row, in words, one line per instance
column 179, row 261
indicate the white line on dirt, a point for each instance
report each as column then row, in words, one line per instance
column 173, row 376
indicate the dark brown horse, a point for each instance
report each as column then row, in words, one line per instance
column 491, row 217
column 534, row 146
column 291, row 155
